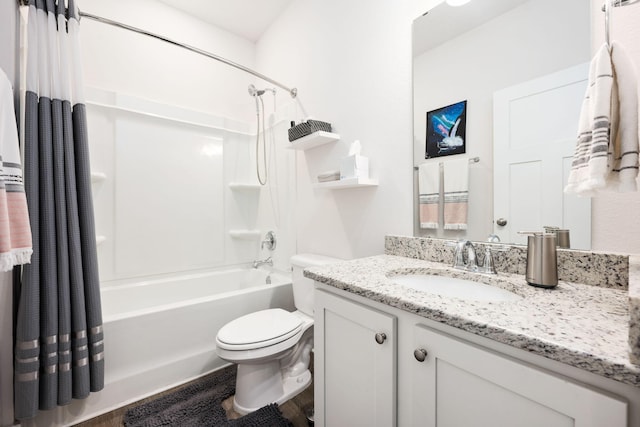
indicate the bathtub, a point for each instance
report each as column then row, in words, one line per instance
column 161, row 333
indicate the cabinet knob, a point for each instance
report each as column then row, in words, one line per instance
column 501, row 222
column 381, row 337
column 420, row 354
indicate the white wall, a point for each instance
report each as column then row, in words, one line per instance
column 615, row 225
column 351, row 63
column 134, row 64
column 507, row 50
column 8, row 63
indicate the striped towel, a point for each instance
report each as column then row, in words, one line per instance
column 15, row 232
column 456, row 194
column 606, row 155
column 429, row 194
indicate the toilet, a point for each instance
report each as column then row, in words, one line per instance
column 272, row 347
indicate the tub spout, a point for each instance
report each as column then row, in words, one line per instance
column 257, row 263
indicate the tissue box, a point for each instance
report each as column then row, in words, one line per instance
column 354, row 166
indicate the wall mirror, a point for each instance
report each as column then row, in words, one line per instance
column 521, row 66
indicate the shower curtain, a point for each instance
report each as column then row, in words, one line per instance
column 58, row 337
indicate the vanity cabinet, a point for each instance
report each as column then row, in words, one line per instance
column 355, row 355
column 422, row 376
column 461, row 384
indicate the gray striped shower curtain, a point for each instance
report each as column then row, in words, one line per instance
column 58, row 337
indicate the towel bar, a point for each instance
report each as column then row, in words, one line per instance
column 471, row 160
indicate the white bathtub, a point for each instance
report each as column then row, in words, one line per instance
column 161, row 333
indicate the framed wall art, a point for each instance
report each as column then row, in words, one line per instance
column 446, row 130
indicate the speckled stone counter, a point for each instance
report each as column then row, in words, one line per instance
column 590, row 268
column 579, row 325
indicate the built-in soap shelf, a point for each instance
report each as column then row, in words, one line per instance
column 97, row 177
column 100, row 239
column 314, row 140
column 347, row 183
column 244, row 187
column 240, row 234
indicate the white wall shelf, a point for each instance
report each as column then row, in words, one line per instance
column 347, row 183
column 244, row 187
column 314, row 140
column 245, row 234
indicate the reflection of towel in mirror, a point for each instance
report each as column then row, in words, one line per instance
column 456, row 194
column 606, row 155
column 429, row 194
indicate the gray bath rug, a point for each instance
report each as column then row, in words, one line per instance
column 199, row 405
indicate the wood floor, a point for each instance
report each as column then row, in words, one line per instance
column 294, row 409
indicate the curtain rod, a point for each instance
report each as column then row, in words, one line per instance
column 292, row 91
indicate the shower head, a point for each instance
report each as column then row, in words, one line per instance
column 255, row 92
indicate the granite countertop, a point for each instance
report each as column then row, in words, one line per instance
column 580, row 325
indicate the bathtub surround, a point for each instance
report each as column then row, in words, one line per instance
column 59, row 339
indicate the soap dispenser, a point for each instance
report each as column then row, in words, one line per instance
column 542, row 261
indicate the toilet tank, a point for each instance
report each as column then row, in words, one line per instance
column 303, row 287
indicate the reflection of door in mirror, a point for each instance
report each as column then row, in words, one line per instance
column 523, row 40
column 534, row 130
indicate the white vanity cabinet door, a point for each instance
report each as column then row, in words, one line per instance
column 460, row 384
column 355, row 375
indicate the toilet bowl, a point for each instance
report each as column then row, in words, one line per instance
column 272, row 347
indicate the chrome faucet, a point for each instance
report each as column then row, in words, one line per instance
column 468, row 262
column 270, row 243
column 465, row 257
column 257, row 263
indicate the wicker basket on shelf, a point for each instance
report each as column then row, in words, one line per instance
column 307, row 128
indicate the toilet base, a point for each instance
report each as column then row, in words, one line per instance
column 261, row 385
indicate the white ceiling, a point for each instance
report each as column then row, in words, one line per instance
column 246, row 18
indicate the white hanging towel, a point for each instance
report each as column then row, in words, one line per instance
column 15, row 231
column 626, row 143
column 456, row 194
column 429, row 194
column 606, row 155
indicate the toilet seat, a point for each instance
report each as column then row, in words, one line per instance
column 260, row 329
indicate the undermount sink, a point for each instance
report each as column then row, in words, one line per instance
column 455, row 287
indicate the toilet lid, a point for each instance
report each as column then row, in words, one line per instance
column 266, row 327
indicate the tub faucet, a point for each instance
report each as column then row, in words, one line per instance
column 257, row 263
